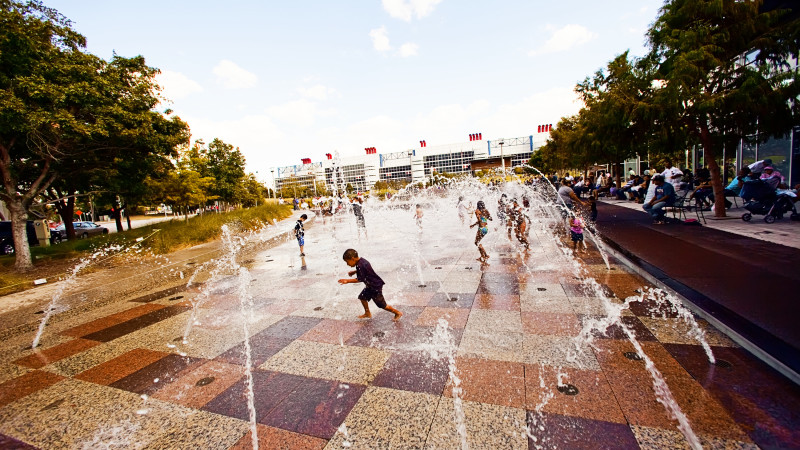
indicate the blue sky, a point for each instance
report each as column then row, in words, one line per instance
column 285, row 80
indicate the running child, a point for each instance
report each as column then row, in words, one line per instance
column 373, row 289
column 418, row 216
column 300, row 233
column 483, row 216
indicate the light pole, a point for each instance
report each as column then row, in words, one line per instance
column 502, row 159
column 273, row 183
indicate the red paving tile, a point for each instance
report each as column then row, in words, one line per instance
column 120, row 367
column 41, row 358
column 332, row 331
column 113, row 319
column 201, row 384
column 488, row 381
column 555, row 324
column 455, row 317
column 24, row 385
column 278, row 439
column 413, row 371
column 150, row 378
column 121, row 329
column 570, row 432
column 269, row 390
column 499, row 302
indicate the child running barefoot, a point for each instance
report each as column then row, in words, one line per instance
column 373, row 289
column 576, row 231
column 418, row 216
column 482, row 214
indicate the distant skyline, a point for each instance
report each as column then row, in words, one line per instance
column 289, row 80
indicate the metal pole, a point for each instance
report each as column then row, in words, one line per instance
column 274, row 195
column 502, row 158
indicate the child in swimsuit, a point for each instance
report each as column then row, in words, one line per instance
column 482, row 215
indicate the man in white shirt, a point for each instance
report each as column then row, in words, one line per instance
column 672, row 175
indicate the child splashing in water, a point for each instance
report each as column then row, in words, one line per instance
column 483, row 216
column 576, row 232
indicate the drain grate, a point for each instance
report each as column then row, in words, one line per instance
column 633, row 356
column 205, row 381
column 568, row 389
column 379, row 334
column 269, row 260
column 423, row 285
column 177, row 297
column 318, row 308
column 541, row 289
column 453, row 299
column 724, row 364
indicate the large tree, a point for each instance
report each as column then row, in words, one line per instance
column 725, row 72
column 224, row 163
column 62, row 108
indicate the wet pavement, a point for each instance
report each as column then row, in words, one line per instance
column 503, row 369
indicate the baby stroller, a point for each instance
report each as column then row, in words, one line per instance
column 771, row 206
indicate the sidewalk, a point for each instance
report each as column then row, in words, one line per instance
column 748, row 281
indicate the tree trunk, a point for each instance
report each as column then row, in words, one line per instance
column 710, row 156
column 19, row 220
column 128, row 218
column 67, row 212
column 118, row 219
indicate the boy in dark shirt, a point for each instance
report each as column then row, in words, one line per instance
column 373, row 289
column 299, row 233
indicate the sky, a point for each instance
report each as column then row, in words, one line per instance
column 286, row 80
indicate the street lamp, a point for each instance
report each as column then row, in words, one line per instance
column 502, row 159
column 273, row 183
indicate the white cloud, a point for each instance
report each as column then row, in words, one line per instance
column 231, row 76
column 565, row 38
column 406, row 9
column 176, row 85
column 408, row 49
column 380, row 39
column 318, row 92
column 300, row 113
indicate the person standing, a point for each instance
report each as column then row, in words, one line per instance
column 359, row 213
column 483, row 216
column 672, row 175
column 463, row 209
column 299, row 233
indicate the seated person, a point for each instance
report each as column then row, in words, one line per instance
column 735, row 186
column 772, row 177
column 664, row 196
column 758, row 166
column 703, row 193
column 638, row 191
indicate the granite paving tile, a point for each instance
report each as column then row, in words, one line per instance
column 596, row 306
column 405, row 418
column 414, row 371
column 452, row 300
column 508, row 302
column 151, row 377
column 500, row 278
column 487, row 426
column 488, row 381
column 350, row 364
column 42, row 357
column 135, row 324
column 413, row 298
column 269, row 389
column 497, row 288
column 548, row 430
column 199, row 385
column 593, row 399
column 26, row 384
column 490, row 321
column 278, row 439
column 332, row 331
column 455, row 317
column 559, row 351
column 658, row 438
column 10, row 371
column 200, row 429
column 677, row 331
column 9, row 443
column 555, row 324
column 291, row 327
column 633, row 388
column 497, row 346
column 538, row 303
column 615, row 331
column 650, row 308
column 110, row 320
column 316, row 408
column 121, row 366
column 547, row 289
column 262, row 347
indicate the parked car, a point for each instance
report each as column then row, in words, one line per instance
column 7, row 238
column 82, row 230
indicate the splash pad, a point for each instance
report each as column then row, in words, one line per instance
column 539, row 348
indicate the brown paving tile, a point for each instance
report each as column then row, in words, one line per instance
column 291, row 327
column 489, row 381
column 595, row 400
column 113, row 319
column 625, row 285
column 201, row 384
column 129, row 326
column 269, row 390
column 151, row 377
column 413, row 298
column 41, row 358
column 121, row 366
column 332, row 331
column 262, row 347
column 633, row 388
column 538, row 277
column 160, row 294
column 499, row 302
column 278, row 439
column 26, row 384
column 316, row 407
column 640, row 331
column 498, row 288
column 455, row 317
column 558, row 324
column 413, row 371
column 570, row 432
